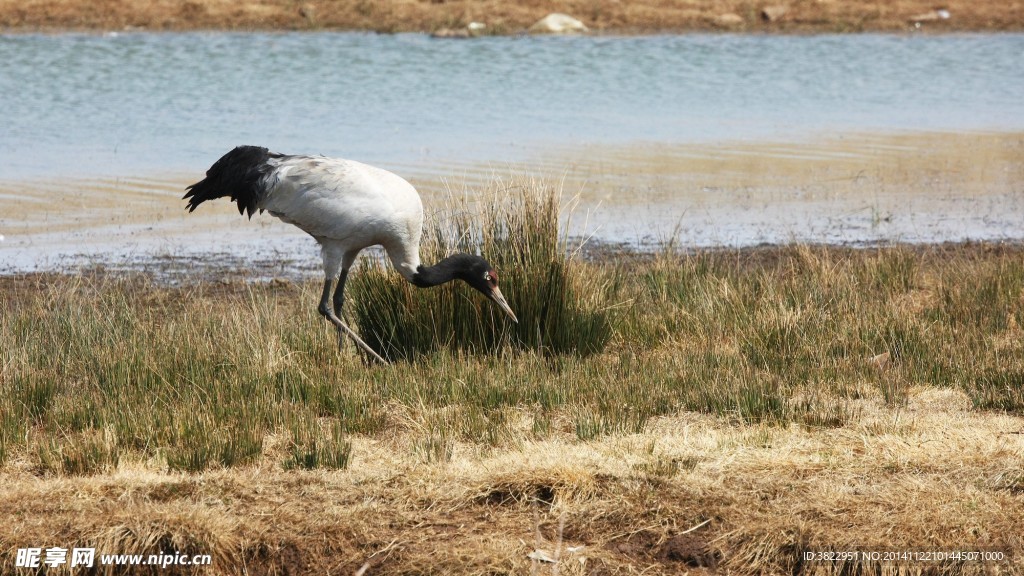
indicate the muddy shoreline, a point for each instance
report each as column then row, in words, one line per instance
column 859, row 191
column 233, row 273
column 502, row 18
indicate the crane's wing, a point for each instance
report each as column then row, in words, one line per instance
column 342, row 199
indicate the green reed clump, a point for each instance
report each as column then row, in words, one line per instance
column 198, row 443
column 11, row 426
column 91, row 452
column 819, row 410
column 516, row 226
column 311, row 447
column 998, row 390
column 437, row 445
column 744, row 397
column 984, row 294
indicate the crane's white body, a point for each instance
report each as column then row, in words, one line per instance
column 347, row 206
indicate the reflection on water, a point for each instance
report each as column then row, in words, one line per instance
column 856, row 189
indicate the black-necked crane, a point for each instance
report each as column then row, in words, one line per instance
column 346, row 206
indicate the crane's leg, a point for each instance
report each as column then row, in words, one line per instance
column 327, row 312
column 339, row 292
column 336, row 265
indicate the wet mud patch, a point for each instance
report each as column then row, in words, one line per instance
column 689, row 550
column 509, row 495
column 692, row 550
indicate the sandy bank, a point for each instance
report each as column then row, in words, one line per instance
column 602, row 16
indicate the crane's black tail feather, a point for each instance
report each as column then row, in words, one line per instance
column 237, row 174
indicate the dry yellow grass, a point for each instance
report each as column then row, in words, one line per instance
column 933, row 475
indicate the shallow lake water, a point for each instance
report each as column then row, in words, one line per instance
column 710, row 139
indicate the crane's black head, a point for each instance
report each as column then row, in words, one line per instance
column 472, row 270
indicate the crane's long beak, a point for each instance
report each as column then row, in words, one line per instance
column 500, row 301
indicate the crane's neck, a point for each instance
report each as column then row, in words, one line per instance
column 457, row 266
column 444, row 271
column 405, row 259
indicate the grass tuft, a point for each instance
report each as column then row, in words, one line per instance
column 516, row 226
column 998, row 390
column 313, row 448
column 91, row 453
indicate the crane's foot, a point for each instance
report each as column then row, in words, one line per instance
column 343, row 329
column 327, row 312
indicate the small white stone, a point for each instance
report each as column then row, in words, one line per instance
column 556, row 23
